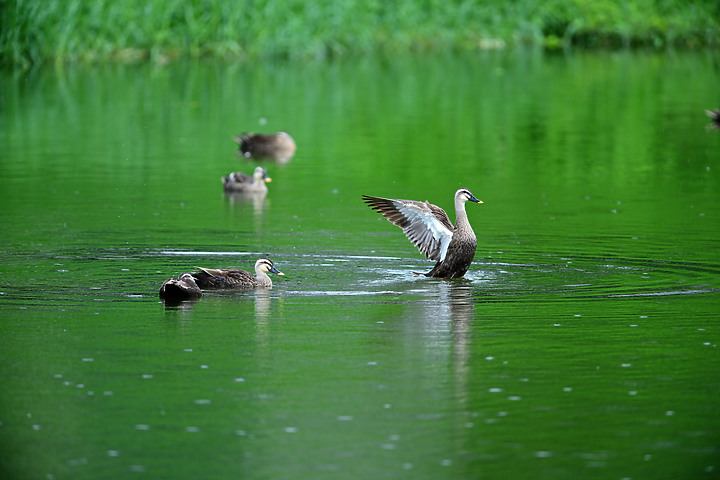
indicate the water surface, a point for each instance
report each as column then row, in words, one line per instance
column 581, row 344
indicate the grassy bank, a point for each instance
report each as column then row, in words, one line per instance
column 39, row 31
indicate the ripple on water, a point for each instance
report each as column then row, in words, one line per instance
column 561, row 276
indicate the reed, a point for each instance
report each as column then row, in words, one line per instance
column 38, row 31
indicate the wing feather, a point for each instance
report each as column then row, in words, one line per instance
column 427, row 226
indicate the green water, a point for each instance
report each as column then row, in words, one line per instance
column 581, row 344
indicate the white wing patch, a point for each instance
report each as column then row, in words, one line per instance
column 425, row 231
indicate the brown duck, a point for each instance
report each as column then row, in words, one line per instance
column 278, row 146
column 235, row 278
column 238, row 182
column 181, row 288
column 429, row 228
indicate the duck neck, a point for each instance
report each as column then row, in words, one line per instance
column 263, row 279
column 461, row 221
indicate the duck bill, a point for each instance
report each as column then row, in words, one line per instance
column 276, row 271
column 268, row 179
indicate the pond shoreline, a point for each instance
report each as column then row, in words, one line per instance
column 39, row 32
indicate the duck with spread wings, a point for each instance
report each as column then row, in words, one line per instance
column 429, row 228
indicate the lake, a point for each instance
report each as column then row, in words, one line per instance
column 582, row 342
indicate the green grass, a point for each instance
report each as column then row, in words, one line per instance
column 40, row 31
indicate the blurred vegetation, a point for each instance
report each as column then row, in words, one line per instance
column 39, row 31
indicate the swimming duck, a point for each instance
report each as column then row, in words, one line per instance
column 242, row 183
column 714, row 117
column 235, row 278
column 182, row 288
column 275, row 146
column 428, row 227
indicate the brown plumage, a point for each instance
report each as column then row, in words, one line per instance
column 278, row 146
column 429, row 228
column 182, row 288
column 235, row 278
column 238, row 182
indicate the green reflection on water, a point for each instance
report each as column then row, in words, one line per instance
column 583, row 342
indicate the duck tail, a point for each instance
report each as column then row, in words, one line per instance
column 243, row 143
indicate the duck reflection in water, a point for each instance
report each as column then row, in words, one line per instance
column 448, row 313
column 239, row 200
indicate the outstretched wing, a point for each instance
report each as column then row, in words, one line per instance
column 425, row 225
